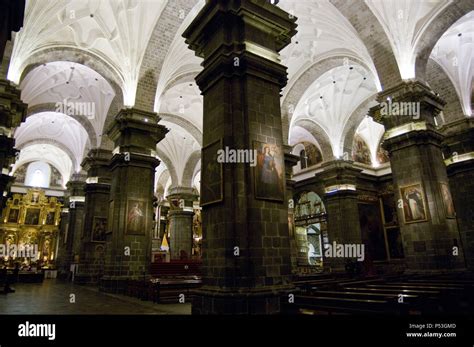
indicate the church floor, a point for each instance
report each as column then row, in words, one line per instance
column 53, row 297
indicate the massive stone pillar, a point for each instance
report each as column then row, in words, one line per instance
column 12, row 113
column 340, row 200
column 290, row 161
column 181, row 222
column 69, row 252
column 246, row 253
column 429, row 230
column 459, row 154
column 128, row 244
column 62, row 256
column 97, row 193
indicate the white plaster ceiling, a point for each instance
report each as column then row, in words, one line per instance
column 184, row 100
column 47, row 153
column 404, row 21
column 69, row 83
column 372, row 133
column 332, row 98
column 115, row 31
column 197, row 181
column 454, row 52
column 180, row 61
column 178, row 145
column 57, row 127
column 323, row 32
column 300, row 134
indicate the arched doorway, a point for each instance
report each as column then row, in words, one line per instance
column 310, row 231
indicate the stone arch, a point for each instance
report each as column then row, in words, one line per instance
column 51, row 107
column 75, row 55
column 161, row 182
column 79, row 56
column 53, row 142
column 189, row 169
column 440, row 83
column 354, row 120
column 172, row 171
column 374, row 38
column 162, row 37
column 320, row 136
column 305, row 80
column 184, row 78
column 185, row 124
column 437, row 27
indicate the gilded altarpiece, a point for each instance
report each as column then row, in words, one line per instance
column 32, row 219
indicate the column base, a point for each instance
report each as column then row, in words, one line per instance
column 267, row 301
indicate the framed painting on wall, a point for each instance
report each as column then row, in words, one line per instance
column 13, row 215
column 50, row 218
column 212, row 182
column 32, row 216
column 414, row 207
column 136, row 213
column 447, row 201
column 99, row 229
column 269, row 173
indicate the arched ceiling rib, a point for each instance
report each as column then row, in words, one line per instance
column 331, row 100
column 58, row 127
column 322, row 32
column 372, row 133
column 117, row 31
column 48, row 153
column 73, row 88
column 454, row 52
column 404, row 21
column 177, row 147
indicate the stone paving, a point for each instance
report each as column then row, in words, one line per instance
column 53, row 297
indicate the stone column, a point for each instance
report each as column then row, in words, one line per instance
column 246, row 253
column 62, row 258
column 290, row 161
column 419, row 176
column 459, row 154
column 70, row 250
column 12, row 113
column 339, row 177
column 128, row 245
column 181, row 222
column 97, row 193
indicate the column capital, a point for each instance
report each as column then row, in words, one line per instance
column 12, row 109
column 136, row 131
column 250, row 35
column 96, row 163
column 272, row 29
column 407, row 102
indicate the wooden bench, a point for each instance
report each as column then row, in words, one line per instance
column 176, row 268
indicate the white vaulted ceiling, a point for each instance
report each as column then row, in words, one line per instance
column 332, row 98
column 116, row 32
column 322, row 32
column 371, row 132
column 58, row 128
column 455, row 53
column 404, row 21
column 185, row 101
column 177, row 146
column 47, row 153
column 70, row 83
